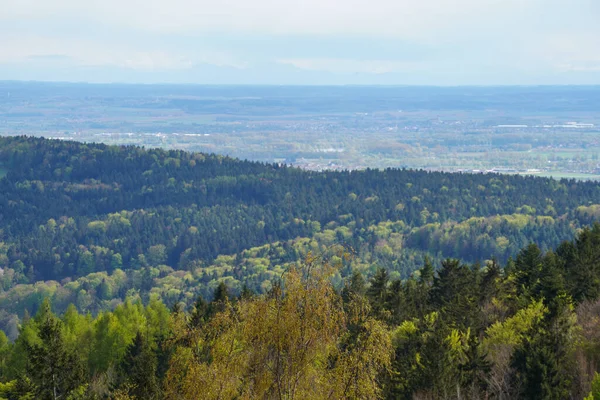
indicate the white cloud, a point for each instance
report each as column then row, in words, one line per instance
column 85, row 52
column 464, row 36
column 352, row 66
column 587, row 67
column 570, row 51
column 415, row 19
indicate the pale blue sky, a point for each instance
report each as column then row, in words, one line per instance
column 436, row 42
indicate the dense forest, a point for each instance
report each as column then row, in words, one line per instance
column 528, row 329
column 93, row 225
column 143, row 273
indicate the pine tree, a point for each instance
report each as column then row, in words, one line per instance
column 246, row 293
column 220, row 298
column 355, row 286
column 426, row 273
column 378, row 291
column 51, row 368
column 396, row 302
column 199, row 312
column 489, row 281
column 139, row 368
column 455, row 294
column 537, row 367
column 582, row 264
column 528, row 266
column 221, row 293
column 177, row 308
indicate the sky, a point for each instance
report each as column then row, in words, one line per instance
column 391, row 42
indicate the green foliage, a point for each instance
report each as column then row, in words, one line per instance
column 138, row 232
column 542, row 364
column 53, row 370
column 595, row 393
column 138, row 369
column 461, row 332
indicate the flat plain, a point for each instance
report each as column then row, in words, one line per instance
column 550, row 131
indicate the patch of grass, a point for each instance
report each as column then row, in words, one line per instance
column 560, row 175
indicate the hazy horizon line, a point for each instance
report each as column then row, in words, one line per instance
column 120, row 83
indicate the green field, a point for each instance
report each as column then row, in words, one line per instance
column 567, row 175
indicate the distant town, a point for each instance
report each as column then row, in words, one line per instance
column 338, row 128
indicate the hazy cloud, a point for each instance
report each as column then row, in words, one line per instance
column 352, row 66
column 432, row 38
column 422, row 20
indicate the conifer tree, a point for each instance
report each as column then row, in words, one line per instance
column 378, row 291
column 528, row 266
column 220, row 298
column 52, row 369
column 426, row 273
column 354, row 286
column 538, row 370
column 454, row 293
column 246, row 293
column 139, row 368
column 199, row 312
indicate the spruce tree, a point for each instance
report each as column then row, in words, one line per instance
column 139, row 368
column 528, row 266
column 199, row 312
column 540, row 371
column 378, row 291
column 455, row 294
column 426, row 273
column 246, row 292
column 51, row 368
column 220, row 298
column 355, row 286
column 221, row 293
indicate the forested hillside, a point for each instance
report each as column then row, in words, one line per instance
column 528, row 329
column 134, row 273
column 93, row 225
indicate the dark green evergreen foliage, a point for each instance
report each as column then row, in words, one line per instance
column 246, row 292
column 200, row 312
column 552, row 287
column 139, row 369
column 234, row 205
column 455, row 293
column 416, row 363
column 377, row 293
column 221, row 294
column 426, row 273
column 177, row 308
column 583, row 264
column 416, row 300
column 396, row 302
column 51, row 368
column 541, row 364
column 164, row 351
column 354, row 286
column 220, row 298
column 528, row 267
column 542, row 277
column 473, row 373
column 490, row 281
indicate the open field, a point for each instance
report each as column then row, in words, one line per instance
column 566, row 175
